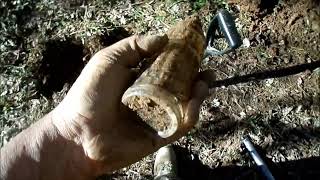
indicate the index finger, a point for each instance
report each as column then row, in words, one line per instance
column 130, row 51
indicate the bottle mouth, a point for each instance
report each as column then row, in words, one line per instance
column 164, row 99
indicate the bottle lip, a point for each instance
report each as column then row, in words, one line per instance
column 164, row 99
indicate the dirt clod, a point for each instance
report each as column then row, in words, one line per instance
column 150, row 112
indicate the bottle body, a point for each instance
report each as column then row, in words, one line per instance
column 161, row 92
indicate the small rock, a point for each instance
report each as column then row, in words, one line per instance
column 175, row 8
column 123, row 20
column 299, row 81
column 299, row 109
column 281, row 42
column 317, row 71
column 286, row 60
column 286, row 110
column 4, row 93
column 238, row 7
column 269, row 82
column 242, row 114
column 309, row 60
column 216, row 103
column 246, row 42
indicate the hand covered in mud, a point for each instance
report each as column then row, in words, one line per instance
column 92, row 115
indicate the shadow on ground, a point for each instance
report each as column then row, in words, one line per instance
column 281, row 132
column 284, row 136
column 111, row 37
column 190, row 167
column 266, row 74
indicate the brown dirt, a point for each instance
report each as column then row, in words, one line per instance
column 150, row 112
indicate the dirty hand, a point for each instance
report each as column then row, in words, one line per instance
column 92, row 115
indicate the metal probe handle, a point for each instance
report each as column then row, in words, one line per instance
column 224, row 23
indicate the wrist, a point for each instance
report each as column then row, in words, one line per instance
column 40, row 152
column 74, row 162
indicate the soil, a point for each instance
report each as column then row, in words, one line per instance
column 150, row 112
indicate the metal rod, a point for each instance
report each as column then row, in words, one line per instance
column 257, row 159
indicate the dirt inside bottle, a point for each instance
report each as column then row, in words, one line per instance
column 151, row 112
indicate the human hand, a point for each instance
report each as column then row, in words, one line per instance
column 92, row 115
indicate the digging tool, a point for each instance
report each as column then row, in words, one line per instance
column 222, row 26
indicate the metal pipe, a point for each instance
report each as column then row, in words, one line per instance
column 257, row 159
